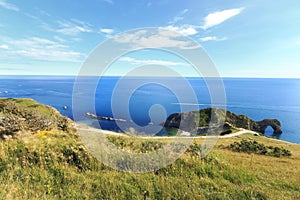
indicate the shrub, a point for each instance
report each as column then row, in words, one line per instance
column 247, row 146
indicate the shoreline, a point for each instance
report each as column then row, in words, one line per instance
column 84, row 127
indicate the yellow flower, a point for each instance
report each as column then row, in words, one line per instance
column 43, row 134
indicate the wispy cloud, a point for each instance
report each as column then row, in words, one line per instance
column 178, row 17
column 219, row 17
column 34, row 42
column 10, row 69
column 73, row 27
column 41, row 49
column 106, row 30
column 8, row 6
column 151, row 62
column 59, row 39
column 162, row 38
column 185, row 29
column 210, row 20
column 212, row 38
column 4, row 46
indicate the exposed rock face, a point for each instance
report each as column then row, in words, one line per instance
column 28, row 115
column 184, row 121
column 274, row 123
column 218, row 120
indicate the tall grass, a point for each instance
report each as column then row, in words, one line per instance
column 57, row 166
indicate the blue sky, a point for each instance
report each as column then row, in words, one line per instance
column 248, row 38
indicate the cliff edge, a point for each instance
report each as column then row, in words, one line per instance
column 27, row 115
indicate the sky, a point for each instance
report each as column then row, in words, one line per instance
column 244, row 38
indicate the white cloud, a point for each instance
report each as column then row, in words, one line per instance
column 4, row 46
column 178, row 17
column 8, row 6
column 73, row 27
column 219, row 17
column 41, row 49
column 54, row 55
column 107, row 30
column 185, row 29
column 212, row 38
column 151, row 62
column 162, row 38
column 34, row 42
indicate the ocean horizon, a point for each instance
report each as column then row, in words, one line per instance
column 258, row 98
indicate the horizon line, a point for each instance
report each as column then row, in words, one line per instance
column 72, row 75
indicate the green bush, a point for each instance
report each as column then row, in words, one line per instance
column 247, row 146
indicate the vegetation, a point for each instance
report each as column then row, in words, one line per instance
column 259, row 148
column 28, row 115
column 54, row 164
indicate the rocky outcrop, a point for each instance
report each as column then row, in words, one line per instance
column 219, row 121
column 274, row 123
column 27, row 115
column 93, row 116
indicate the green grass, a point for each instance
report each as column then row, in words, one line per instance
column 27, row 103
column 28, row 115
column 57, row 166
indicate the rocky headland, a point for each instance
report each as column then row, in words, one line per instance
column 218, row 121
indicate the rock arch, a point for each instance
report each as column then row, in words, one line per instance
column 274, row 123
column 188, row 121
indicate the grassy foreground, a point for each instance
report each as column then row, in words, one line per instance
column 55, row 165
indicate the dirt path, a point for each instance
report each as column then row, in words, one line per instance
column 83, row 127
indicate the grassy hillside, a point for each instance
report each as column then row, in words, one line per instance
column 53, row 164
column 28, row 115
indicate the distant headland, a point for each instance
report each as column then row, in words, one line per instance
column 218, row 121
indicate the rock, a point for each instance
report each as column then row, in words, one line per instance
column 274, row 123
column 210, row 120
column 93, row 116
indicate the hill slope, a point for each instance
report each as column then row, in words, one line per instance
column 27, row 115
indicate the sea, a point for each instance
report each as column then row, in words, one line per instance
column 146, row 102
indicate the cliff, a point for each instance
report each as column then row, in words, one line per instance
column 209, row 120
column 27, row 115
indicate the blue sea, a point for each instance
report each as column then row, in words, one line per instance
column 255, row 97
